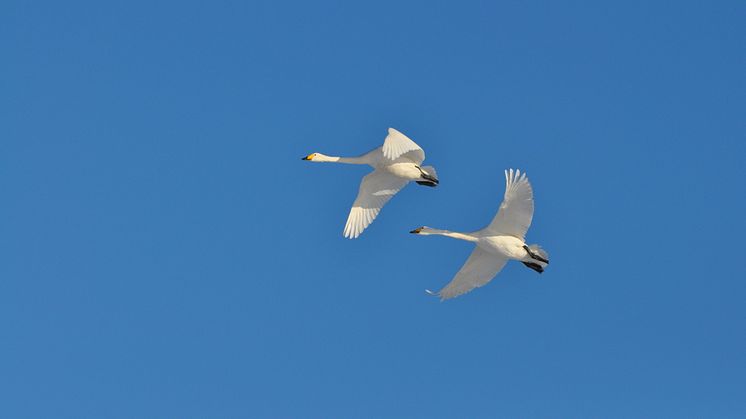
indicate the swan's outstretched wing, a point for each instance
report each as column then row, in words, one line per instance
column 478, row 270
column 517, row 209
column 397, row 144
column 375, row 191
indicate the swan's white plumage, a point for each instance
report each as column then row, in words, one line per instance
column 376, row 189
column 395, row 163
column 517, row 208
column 497, row 243
column 397, row 144
column 478, row 270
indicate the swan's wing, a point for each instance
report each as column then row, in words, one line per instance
column 517, row 209
column 375, row 191
column 478, row 270
column 397, row 144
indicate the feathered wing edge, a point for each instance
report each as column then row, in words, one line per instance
column 376, row 189
column 477, row 271
column 397, row 144
column 517, row 208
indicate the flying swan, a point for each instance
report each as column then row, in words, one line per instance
column 396, row 163
column 500, row 241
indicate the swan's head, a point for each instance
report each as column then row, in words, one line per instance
column 422, row 230
column 317, row 157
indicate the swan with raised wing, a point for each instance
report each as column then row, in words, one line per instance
column 395, row 164
column 497, row 243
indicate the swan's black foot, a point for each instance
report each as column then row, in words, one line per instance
column 430, row 178
column 427, row 177
column 534, row 266
column 427, row 183
column 534, row 255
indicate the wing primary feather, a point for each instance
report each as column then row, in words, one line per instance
column 375, row 190
column 478, row 270
column 397, row 144
column 517, row 208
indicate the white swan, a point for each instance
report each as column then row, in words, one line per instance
column 500, row 241
column 396, row 163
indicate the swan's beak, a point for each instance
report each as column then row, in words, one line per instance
column 308, row 157
column 417, row 230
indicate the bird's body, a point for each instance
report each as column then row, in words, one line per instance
column 404, row 170
column 497, row 243
column 395, row 164
column 507, row 246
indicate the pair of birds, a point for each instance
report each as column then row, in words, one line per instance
column 398, row 162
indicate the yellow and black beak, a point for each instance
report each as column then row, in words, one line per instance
column 417, row 230
column 308, row 157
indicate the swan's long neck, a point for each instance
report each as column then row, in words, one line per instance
column 453, row 234
column 333, row 159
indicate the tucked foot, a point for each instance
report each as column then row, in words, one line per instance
column 427, row 177
column 427, row 183
column 534, row 266
column 534, row 255
column 430, row 178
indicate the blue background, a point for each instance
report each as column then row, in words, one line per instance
column 165, row 253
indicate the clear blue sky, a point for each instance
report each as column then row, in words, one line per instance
column 165, row 252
